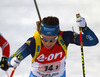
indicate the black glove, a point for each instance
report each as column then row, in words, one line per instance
column 3, row 63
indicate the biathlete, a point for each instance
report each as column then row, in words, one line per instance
column 5, row 53
column 48, row 47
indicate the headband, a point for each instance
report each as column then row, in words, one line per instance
column 49, row 30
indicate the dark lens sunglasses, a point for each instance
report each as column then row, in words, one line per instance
column 50, row 40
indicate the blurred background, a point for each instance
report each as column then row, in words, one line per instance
column 18, row 23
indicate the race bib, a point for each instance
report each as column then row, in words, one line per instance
column 50, row 67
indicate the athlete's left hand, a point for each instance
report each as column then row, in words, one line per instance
column 15, row 62
column 81, row 22
column 3, row 64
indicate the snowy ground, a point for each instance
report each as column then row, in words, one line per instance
column 17, row 24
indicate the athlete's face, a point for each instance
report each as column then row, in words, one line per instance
column 48, row 41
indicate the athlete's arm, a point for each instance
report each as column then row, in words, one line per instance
column 5, row 52
column 26, row 49
column 4, row 46
column 89, row 38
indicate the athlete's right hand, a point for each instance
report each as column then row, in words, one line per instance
column 81, row 22
column 15, row 62
column 3, row 63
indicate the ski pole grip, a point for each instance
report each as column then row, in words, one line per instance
column 78, row 15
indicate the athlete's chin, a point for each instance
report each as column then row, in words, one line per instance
column 48, row 47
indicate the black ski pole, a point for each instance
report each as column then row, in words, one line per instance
column 37, row 9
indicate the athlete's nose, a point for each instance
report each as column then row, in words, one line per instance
column 48, row 42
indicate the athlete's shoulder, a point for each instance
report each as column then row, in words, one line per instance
column 68, row 36
column 2, row 40
column 66, row 33
column 1, row 36
column 30, row 41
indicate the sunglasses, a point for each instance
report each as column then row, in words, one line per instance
column 50, row 40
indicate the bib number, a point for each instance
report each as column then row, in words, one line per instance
column 48, row 68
